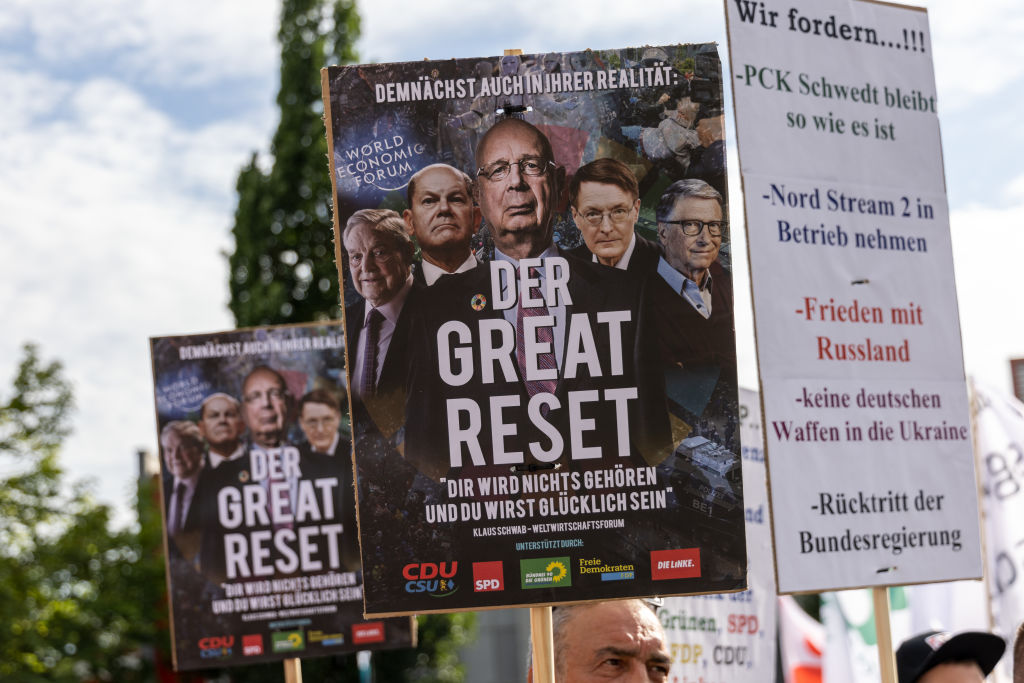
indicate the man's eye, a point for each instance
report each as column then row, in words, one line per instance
column 530, row 165
column 428, row 201
column 592, row 216
column 355, row 258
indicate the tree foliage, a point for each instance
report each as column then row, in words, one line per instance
column 77, row 600
column 283, row 271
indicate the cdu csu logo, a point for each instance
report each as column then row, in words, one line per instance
column 437, row 580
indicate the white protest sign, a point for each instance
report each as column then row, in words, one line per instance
column 730, row 638
column 999, row 421
column 868, row 436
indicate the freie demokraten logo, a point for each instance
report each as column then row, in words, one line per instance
column 252, row 644
column 215, row 647
column 435, row 579
column 677, row 563
column 488, row 576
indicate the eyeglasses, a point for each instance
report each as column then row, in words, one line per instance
column 617, row 215
column 693, row 227
column 499, row 170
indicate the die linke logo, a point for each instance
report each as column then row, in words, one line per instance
column 488, row 576
column 216, row 647
column 436, row 580
column 370, row 632
column 678, row 563
column 252, row 644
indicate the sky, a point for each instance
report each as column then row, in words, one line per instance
column 124, row 124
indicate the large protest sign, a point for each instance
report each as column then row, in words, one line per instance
column 259, row 510
column 563, row 430
column 868, row 435
column 731, row 638
column 999, row 421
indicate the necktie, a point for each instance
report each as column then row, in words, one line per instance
column 545, row 335
column 373, row 322
column 178, row 513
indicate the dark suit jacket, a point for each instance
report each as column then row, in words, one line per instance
column 686, row 336
column 387, row 406
column 593, row 289
column 643, row 262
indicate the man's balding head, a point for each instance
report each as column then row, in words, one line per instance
column 518, row 183
column 617, row 640
column 267, row 405
column 441, row 214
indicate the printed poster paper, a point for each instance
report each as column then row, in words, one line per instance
column 542, row 412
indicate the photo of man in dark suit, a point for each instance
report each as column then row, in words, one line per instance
column 531, row 306
column 605, row 200
column 222, row 426
column 442, row 218
column 698, row 307
column 379, row 253
column 184, row 467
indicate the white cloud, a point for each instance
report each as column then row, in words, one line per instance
column 169, row 43
column 393, row 30
column 114, row 217
column 977, row 48
column 987, row 248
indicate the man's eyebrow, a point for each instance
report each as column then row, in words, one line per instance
column 618, row 651
column 659, row 657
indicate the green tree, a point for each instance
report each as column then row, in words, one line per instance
column 76, row 599
column 283, row 271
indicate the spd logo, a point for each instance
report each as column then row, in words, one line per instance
column 216, row 647
column 437, row 580
column 488, row 576
column 252, row 644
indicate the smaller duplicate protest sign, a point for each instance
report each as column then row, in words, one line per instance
column 258, row 501
column 730, row 638
column 866, row 413
column 534, row 254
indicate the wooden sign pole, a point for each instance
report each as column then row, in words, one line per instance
column 883, row 633
column 543, row 645
column 293, row 670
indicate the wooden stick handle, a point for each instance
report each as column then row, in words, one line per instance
column 293, row 670
column 886, row 657
column 543, row 647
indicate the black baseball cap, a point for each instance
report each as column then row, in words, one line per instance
column 925, row 651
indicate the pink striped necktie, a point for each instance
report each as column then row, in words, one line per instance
column 545, row 335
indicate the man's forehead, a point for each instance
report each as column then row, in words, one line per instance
column 519, row 141
column 603, row 190
column 366, row 237
column 321, row 406
column 688, row 204
column 264, row 376
column 220, row 404
column 441, row 178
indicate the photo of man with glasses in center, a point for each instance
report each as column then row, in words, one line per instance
column 604, row 197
